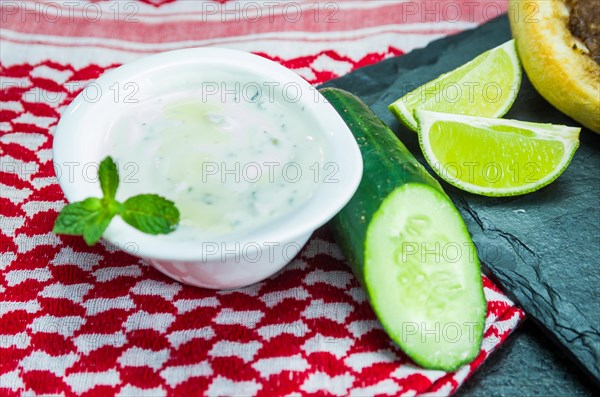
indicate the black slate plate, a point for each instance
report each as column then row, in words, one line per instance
column 528, row 365
column 543, row 247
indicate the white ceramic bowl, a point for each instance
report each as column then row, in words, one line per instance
column 230, row 262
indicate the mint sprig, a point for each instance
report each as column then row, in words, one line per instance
column 149, row 213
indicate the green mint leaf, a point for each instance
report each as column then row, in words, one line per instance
column 109, row 178
column 88, row 218
column 96, row 225
column 151, row 213
column 74, row 217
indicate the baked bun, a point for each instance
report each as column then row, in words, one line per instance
column 559, row 64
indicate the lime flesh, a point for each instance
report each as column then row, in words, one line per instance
column 495, row 157
column 486, row 86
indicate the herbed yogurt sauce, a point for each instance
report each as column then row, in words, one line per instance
column 231, row 163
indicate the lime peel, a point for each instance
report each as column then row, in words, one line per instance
column 495, row 157
column 461, row 90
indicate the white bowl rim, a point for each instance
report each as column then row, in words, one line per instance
column 306, row 219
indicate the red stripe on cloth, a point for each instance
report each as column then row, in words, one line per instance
column 310, row 20
column 236, row 40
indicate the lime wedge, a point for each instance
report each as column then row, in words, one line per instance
column 486, row 87
column 495, row 157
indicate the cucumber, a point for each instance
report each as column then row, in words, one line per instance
column 409, row 248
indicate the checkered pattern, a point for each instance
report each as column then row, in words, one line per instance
column 79, row 320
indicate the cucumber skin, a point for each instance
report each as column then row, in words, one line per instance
column 387, row 165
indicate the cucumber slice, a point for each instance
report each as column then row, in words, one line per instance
column 409, row 248
column 423, row 277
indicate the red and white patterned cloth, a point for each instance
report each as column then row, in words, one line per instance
column 76, row 320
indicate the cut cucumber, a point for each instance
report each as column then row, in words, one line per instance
column 409, row 248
